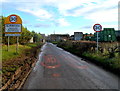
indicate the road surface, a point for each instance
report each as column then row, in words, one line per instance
column 58, row 69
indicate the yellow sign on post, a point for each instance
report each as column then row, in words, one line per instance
column 13, row 25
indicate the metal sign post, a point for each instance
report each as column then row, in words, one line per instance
column 97, row 41
column 97, row 28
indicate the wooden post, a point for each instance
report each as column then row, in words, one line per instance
column 17, row 45
column 8, row 44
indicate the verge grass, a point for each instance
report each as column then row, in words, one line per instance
column 113, row 63
column 12, row 51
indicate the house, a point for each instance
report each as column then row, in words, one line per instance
column 78, row 35
column 58, row 37
column 31, row 40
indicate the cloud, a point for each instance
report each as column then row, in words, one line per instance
column 41, row 13
column 26, row 21
column 3, row 0
column 39, row 19
column 21, row 1
column 62, row 22
column 106, row 16
column 110, row 26
column 87, row 27
column 42, row 25
column 99, row 11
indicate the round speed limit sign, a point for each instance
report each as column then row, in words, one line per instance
column 97, row 27
column 13, row 18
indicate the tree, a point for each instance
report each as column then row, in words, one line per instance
column 25, row 37
column 36, row 36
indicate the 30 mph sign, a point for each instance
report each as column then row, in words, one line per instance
column 97, row 27
column 13, row 18
column 13, row 25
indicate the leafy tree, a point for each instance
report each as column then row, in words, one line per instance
column 36, row 36
column 26, row 35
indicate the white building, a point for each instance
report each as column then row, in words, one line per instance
column 78, row 35
column 31, row 40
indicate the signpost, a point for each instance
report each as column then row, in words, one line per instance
column 13, row 27
column 97, row 28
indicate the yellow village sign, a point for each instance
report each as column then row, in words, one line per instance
column 13, row 24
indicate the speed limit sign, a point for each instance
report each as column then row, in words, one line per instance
column 97, row 27
column 13, row 18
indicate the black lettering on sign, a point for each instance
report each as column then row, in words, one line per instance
column 12, row 30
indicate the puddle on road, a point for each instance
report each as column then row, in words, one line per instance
column 37, row 65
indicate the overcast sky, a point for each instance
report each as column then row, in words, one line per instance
column 63, row 16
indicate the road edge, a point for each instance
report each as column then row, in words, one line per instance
column 25, row 78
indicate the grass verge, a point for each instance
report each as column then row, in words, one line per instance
column 11, row 61
column 7, row 55
column 112, row 64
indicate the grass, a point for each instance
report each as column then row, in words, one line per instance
column 32, row 44
column 12, row 51
column 55, row 42
column 113, row 63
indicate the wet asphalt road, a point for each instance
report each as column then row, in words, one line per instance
column 58, row 69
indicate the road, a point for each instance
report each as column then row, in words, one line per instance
column 58, row 69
